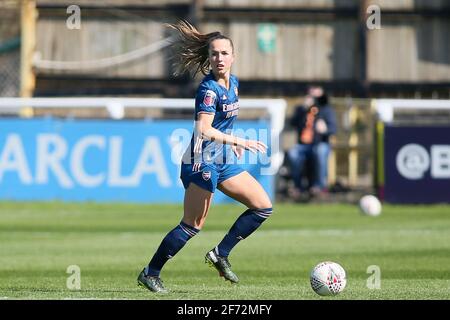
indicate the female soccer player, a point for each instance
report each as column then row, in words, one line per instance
column 207, row 162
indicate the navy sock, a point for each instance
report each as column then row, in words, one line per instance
column 244, row 226
column 171, row 244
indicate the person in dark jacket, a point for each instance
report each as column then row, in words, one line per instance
column 315, row 122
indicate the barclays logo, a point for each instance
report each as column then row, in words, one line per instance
column 413, row 161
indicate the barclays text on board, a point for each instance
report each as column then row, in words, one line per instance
column 417, row 164
column 75, row 160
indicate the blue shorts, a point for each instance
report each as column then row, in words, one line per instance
column 208, row 176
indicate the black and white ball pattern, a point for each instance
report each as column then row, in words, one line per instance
column 328, row 278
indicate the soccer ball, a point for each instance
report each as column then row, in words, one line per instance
column 370, row 205
column 328, row 278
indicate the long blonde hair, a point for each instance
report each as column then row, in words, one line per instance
column 192, row 48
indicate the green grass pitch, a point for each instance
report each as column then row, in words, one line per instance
column 110, row 243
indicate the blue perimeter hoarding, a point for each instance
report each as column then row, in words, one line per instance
column 417, row 164
column 105, row 161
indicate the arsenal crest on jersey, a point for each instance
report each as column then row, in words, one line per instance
column 236, row 91
column 210, row 98
column 206, row 175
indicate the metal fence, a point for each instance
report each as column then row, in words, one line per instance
column 9, row 48
column 10, row 73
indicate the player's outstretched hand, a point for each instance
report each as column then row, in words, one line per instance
column 255, row 146
column 238, row 151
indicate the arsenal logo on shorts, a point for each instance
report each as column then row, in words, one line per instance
column 206, row 175
column 210, row 98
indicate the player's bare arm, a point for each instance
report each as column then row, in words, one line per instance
column 205, row 129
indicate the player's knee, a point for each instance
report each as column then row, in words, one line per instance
column 264, row 205
column 262, row 202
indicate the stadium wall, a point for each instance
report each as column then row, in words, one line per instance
column 325, row 42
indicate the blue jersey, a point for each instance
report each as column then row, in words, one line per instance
column 213, row 98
